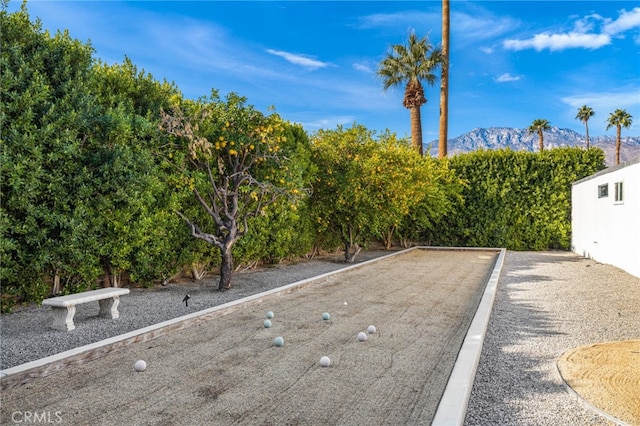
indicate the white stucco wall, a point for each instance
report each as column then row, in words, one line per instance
column 603, row 229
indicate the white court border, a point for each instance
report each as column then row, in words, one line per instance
column 452, row 408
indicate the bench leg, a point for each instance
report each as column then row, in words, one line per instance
column 63, row 318
column 109, row 307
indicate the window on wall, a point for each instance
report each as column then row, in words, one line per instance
column 603, row 190
column 619, row 194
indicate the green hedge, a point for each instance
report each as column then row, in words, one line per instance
column 90, row 189
column 516, row 200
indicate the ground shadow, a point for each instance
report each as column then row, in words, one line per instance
column 510, row 380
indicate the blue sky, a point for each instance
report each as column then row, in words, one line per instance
column 315, row 62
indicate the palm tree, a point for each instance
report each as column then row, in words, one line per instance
column 409, row 64
column 584, row 113
column 619, row 118
column 538, row 126
column 444, row 83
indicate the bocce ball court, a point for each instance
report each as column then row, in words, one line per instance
column 223, row 367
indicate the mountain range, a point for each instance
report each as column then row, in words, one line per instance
column 521, row 140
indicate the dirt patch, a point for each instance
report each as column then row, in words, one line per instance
column 607, row 376
column 227, row 370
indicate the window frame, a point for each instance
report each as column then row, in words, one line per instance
column 603, row 190
column 618, row 192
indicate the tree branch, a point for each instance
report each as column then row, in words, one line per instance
column 197, row 233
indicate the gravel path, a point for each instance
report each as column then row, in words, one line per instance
column 548, row 303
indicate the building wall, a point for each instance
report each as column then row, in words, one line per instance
column 604, row 229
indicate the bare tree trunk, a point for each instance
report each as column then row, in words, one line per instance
column 198, row 271
column 388, row 239
column 166, row 279
column 416, row 129
column 56, row 283
column 444, row 83
column 112, row 277
column 351, row 250
column 226, row 268
column 315, row 251
column 405, row 242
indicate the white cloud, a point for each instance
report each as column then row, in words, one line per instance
column 506, row 77
column 560, row 41
column 363, row 68
column 626, row 21
column 605, row 101
column 480, row 25
column 587, row 23
column 302, row 60
column 328, row 122
column 472, row 25
column 405, row 18
column 487, row 50
column 584, row 34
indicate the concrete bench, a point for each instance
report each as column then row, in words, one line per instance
column 64, row 307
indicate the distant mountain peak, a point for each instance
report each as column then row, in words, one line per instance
column 521, row 140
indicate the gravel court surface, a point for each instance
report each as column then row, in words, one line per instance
column 227, row 371
column 27, row 336
column 547, row 304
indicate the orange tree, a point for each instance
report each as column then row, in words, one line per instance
column 342, row 213
column 396, row 180
column 230, row 157
column 285, row 229
column 366, row 187
column 439, row 192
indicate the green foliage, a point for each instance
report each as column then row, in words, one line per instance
column 82, row 192
column 236, row 161
column 374, row 188
column 517, row 200
column 136, row 92
column 341, row 206
column 441, row 196
column 45, row 116
column 409, row 188
column 126, row 187
column 285, row 229
column 90, row 186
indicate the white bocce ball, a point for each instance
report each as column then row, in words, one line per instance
column 267, row 323
column 325, row 361
column 371, row 329
column 140, row 366
column 362, row 336
column 269, row 315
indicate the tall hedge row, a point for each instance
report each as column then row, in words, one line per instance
column 517, row 200
column 89, row 187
